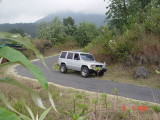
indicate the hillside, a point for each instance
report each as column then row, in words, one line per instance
column 26, row 27
column 78, row 17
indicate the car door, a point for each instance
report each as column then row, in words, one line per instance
column 69, row 60
column 76, row 62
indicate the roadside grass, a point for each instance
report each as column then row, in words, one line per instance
column 68, row 44
column 119, row 73
column 70, row 102
column 55, row 66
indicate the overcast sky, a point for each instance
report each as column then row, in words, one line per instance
column 26, row 11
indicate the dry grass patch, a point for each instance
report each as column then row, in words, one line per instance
column 119, row 73
column 74, row 101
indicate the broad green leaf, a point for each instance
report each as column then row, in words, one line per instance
column 24, row 117
column 7, row 104
column 37, row 116
column 5, row 101
column 7, row 115
column 81, row 118
column 35, row 96
column 1, row 58
column 30, row 112
column 15, row 56
column 157, row 72
column 23, row 40
column 43, row 115
column 52, row 102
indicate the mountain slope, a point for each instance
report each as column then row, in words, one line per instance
column 26, row 27
column 78, row 17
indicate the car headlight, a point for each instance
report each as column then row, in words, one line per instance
column 104, row 66
column 93, row 66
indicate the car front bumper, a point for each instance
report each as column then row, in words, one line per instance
column 93, row 71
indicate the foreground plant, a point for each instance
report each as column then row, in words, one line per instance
column 80, row 108
column 15, row 56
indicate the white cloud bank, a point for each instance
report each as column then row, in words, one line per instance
column 14, row 11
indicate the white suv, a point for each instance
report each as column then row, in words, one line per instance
column 80, row 61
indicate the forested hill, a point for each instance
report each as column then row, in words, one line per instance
column 31, row 27
column 78, row 17
column 26, row 27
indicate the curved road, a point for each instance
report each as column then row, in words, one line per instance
column 90, row 84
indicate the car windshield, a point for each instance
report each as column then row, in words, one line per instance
column 88, row 57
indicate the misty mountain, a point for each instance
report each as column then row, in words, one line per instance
column 26, row 27
column 31, row 27
column 78, row 17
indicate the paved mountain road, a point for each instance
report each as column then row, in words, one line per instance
column 90, row 84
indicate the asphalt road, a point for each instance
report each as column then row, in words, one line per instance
column 92, row 84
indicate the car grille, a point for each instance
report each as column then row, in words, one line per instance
column 98, row 65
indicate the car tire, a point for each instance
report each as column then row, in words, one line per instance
column 63, row 68
column 84, row 72
column 100, row 73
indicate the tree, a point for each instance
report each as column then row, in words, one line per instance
column 41, row 30
column 19, row 31
column 69, row 26
column 52, row 31
column 86, row 32
column 121, row 11
column 55, row 32
column 68, row 21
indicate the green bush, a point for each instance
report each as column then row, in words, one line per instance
column 86, row 32
column 156, row 108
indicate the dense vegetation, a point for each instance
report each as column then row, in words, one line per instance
column 57, row 31
column 28, row 28
column 132, row 35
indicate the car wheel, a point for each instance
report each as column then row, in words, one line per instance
column 63, row 68
column 100, row 73
column 84, row 72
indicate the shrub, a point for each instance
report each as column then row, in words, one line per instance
column 42, row 45
column 156, row 108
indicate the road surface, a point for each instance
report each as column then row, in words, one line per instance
column 90, row 84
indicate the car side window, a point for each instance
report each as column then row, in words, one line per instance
column 70, row 56
column 63, row 55
column 76, row 56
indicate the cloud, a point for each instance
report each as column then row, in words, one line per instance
column 31, row 10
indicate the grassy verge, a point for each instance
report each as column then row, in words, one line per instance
column 118, row 73
column 121, row 74
column 73, row 103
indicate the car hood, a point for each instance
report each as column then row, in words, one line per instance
column 94, row 62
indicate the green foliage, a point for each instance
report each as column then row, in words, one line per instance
column 15, row 31
column 131, row 36
column 86, row 32
column 52, row 31
column 115, row 91
column 8, row 105
column 79, row 110
column 120, row 12
column 157, row 72
column 35, row 96
column 15, row 56
column 68, row 21
column 69, row 26
column 43, row 115
column 156, row 108
column 24, row 41
column 7, row 115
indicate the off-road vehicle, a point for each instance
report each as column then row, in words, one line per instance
column 80, row 61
